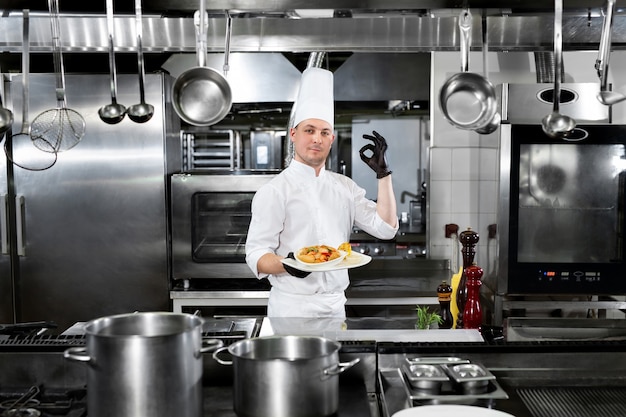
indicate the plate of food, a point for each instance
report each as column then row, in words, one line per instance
column 323, row 258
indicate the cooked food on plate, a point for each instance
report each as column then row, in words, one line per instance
column 318, row 254
column 346, row 247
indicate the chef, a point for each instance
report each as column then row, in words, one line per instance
column 307, row 205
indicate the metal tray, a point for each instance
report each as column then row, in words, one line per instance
column 449, row 393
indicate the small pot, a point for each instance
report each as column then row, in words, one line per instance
column 285, row 376
column 147, row 363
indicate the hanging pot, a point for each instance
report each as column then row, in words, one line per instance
column 468, row 100
column 285, row 376
column 201, row 96
column 144, row 362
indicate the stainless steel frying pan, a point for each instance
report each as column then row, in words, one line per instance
column 468, row 100
column 201, row 95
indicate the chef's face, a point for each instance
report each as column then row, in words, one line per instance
column 312, row 139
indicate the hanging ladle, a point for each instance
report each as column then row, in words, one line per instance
column 557, row 125
column 605, row 96
column 142, row 112
column 114, row 112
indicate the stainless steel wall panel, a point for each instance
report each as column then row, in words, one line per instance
column 95, row 223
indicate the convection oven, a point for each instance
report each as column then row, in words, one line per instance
column 210, row 215
column 561, row 207
column 566, row 223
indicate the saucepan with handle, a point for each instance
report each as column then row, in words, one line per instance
column 202, row 95
column 468, row 100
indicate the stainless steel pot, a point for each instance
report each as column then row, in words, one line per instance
column 468, row 100
column 285, row 376
column 146, row 363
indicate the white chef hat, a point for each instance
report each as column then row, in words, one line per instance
column 315, row 98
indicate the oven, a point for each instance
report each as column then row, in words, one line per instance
column 210, row 215
column 566, row 212
column 561, row 224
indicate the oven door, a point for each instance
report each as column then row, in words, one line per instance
column 210, row 219
column 565, row 211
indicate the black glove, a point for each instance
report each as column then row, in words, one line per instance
column 294, row 271
column 378, row 161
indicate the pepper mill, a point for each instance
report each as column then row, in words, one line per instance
column 473, row 315
column 468, row 239
column 444, row 294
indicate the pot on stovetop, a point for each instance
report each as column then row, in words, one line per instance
column 147, row 364
column 285, row 376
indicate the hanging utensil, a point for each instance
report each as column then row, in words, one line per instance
column 557, row 125
column 142, row 112
column 62, row 127
column 19, row 148
column 495, row 122
column 467, row 100
column 114, row 112
column 201, row 95
column 602, row 63
column 6, row 118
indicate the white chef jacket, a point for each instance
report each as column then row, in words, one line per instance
column 298, row 209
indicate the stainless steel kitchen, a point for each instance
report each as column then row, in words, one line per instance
column 135, row 135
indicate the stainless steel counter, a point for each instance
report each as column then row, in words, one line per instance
column 540, row 379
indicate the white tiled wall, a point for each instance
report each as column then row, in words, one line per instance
column 464, row 165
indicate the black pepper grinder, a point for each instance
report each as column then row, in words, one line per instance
column 468, row 239
column 444, row 294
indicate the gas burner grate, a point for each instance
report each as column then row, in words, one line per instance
column 574, row 401
column 41, row 402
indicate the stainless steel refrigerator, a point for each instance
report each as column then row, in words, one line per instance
column 87, row 237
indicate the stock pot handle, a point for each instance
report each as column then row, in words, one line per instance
column 209, row 345
column 221, row 361
column 78, row 354
column 341, row 367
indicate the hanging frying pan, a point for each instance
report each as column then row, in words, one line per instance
column 201, row 95
column 468, row 100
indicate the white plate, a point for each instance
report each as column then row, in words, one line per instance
column 353, row 260
column 451, row 410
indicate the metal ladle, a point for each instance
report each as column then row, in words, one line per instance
column 557, row 125
column 142, row 112
column 114, row 112
column 605, row 96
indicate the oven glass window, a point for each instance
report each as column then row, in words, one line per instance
column 570, row 204
column 219, row 224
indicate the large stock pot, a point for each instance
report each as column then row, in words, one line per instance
column 149, row 363
column 285, row 376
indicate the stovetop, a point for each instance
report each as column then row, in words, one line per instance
column 41, row 401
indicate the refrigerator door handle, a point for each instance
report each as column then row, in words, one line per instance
column 4, row 225
column 19, row 224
